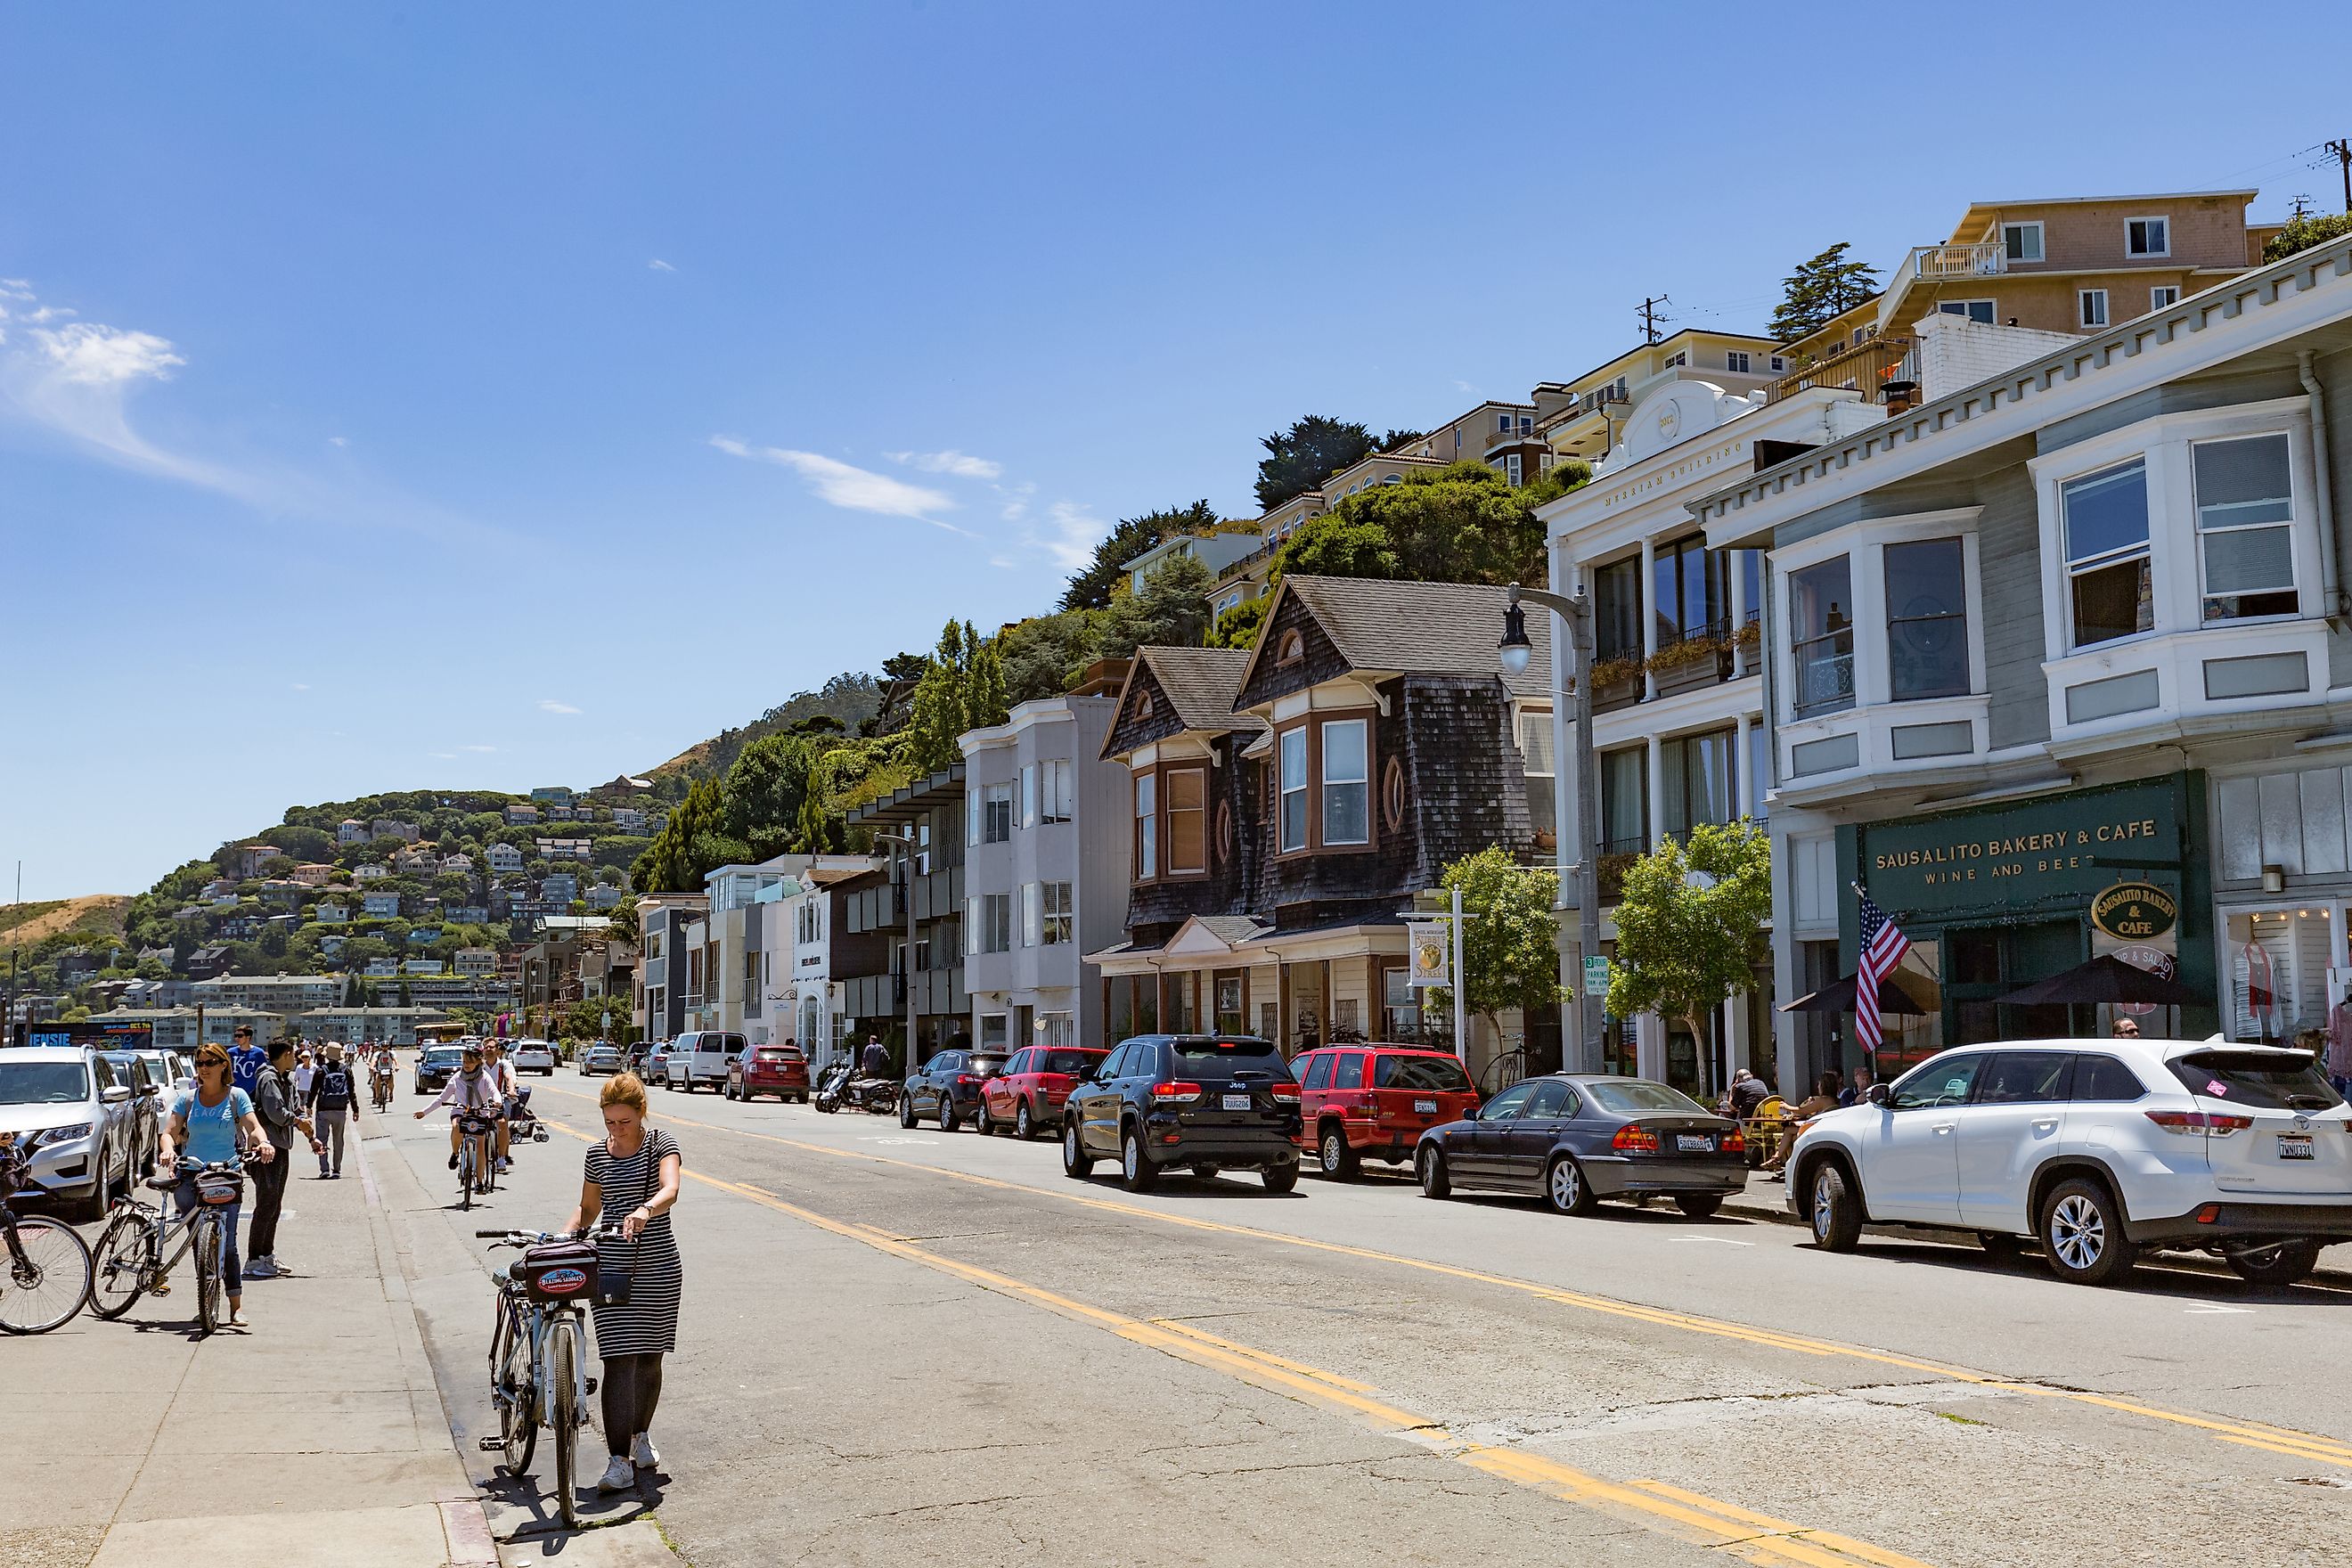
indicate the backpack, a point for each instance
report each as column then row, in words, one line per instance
column 334, row 1086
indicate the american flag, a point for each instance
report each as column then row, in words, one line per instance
column 1883, row 947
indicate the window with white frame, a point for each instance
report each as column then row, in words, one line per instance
column 1056, row 790
column 971, row 817
column 1031, row 915
column 1347, row 782
column 1147, row 827
column 1821, row 631
column 2091, row 306
column 2021, row 242
column 1536, row 763
column 993, row 928
column 1927, row 619
column 1057, row 1028
column 2147, row 237
column 2164, row 296
column 996, row 818
column 2109, row 590
column 2245, row 532
column 1778, row 363
column 1028, row 795
column 1514, row 468
column 1735, row 361
column 1059, row 914
column 1978, row 311
column 1679, row 357
column 1292, row 830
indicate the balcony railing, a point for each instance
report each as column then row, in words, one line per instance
column 1948, row 263
column 1866, row 368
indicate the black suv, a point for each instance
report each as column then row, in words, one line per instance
column 948, row 1087
column 1209, row 1101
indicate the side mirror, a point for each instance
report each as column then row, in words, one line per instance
column 114, row 1093
column 1877, row 1094
column 1470, row 1113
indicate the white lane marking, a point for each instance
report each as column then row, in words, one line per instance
column 2215, row 1310
column 1718, row 1240
column 896, row 1143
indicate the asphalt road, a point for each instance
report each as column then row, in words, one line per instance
column 897, row 1343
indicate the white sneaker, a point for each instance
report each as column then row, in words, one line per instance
column 618, row 1477
column 641, row 1451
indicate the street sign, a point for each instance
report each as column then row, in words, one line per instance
column 1596, row 976
column 1429, row 948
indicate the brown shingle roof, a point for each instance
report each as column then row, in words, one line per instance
column 1422, row 629
column 1203, row 682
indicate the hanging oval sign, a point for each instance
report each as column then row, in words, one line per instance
column 2134, row 911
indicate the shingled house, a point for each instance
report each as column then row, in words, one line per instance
column 1289, row 802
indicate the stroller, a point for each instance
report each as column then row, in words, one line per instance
column 520, row 1123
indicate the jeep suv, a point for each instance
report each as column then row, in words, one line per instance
column 1207, row 1102
column 2096, row 1149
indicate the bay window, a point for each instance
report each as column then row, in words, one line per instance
column 1347, row 782
column 1292, row 784
column 1187, row 842
column 2245, row 538
column 1147, row 827
column 1029, row 794
column 996, row 814
column 1054, row 789
column 1820, row 627
column 1927, row 619
column 2109, row 592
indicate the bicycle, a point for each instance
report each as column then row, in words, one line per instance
column 538, row 1375
column 130, row 1260
column 477, row 1165
column 47, row 1274
column 382, row 1087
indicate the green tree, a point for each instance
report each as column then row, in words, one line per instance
column 1044, row 654
column 2305, row 230
column 1511, row 954
column 623, row 916
column 1092, row 588
column 691, row 844
column 1173, row 611
column 1819, row 291
column 1463, row 523
column 1340, row 544
column 983, row 698
column 1238, row 626
column 1310, row 451
column 765, row 788
column 939, row 707
column 1690, row 926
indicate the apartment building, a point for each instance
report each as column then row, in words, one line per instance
column 919, row 829
column 658, row 1005
column 816, row 958
column 1585, row 417
column 2068, row 639
column 1045, row 857
column 284, row 994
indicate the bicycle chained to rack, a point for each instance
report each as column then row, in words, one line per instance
column 44, row 1263
column 539, row 1374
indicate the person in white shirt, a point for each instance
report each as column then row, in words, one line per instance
column 501, row 1072
column 304, row 1071
column 471, row 1089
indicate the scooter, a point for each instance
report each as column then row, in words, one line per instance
column 831, row 1086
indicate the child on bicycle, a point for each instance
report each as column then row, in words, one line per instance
column 470, row 1092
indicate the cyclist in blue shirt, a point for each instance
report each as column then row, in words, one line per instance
column 209, row 1124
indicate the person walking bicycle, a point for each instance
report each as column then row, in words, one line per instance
column 280, row 1116
column 334, row 1098
column 213, row 1123
column 631, row 1178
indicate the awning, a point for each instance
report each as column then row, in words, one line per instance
column 1838, row 996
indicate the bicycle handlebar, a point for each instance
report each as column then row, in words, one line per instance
column 603, row 1231
column 188, row 1167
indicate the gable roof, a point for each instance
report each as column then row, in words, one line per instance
column 1417, row 628
column 1202, row 683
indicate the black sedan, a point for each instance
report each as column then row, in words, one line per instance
column 1575, row 1139
column 948, row 1087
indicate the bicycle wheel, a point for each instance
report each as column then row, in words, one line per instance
column 208, row 1275
column 465, row 1175
column 563, row 1412
column 44, row 1275
column 518, row 1415
column 119, row 1266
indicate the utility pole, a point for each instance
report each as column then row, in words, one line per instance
column 1651, row 318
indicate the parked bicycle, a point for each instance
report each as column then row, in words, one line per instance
column 477, row 1165
column 47, row 1276
column 143, row 1243
column 538, row 1368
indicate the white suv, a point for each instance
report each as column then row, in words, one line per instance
column 2097, row 1149
column 534, row 1055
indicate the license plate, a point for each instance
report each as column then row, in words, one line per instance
column 1236, row 1101
column 2295, row 1145
column 1425, row 1107
column 1693, row 1142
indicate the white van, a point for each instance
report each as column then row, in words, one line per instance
column 698, row 1059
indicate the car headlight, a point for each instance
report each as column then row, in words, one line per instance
column 63, row 1134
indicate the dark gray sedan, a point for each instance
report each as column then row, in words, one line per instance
column 1575, row 1139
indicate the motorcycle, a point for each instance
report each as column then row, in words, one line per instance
column 877, row 1096
column 831, row 1085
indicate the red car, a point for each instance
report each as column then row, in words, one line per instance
column 780, row 1070
column 1374, row 1100
column 1027, row 1095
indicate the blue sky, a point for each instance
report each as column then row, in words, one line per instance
column 395, row 397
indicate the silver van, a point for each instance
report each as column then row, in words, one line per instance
column 698, row 1059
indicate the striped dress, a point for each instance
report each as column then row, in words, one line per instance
column 647, row 1323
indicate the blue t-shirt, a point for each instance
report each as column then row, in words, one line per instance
column 245, row 1065
column 212, row 1129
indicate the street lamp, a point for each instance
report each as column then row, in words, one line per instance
column 1512, row 654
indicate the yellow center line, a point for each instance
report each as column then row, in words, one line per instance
column 2277, row 1439
column 1657, row 1505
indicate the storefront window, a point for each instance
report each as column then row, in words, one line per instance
column 2278, row 969
column 1400, row 1007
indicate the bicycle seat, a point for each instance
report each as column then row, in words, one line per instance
column 160, row 1183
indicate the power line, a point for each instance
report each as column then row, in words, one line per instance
column 1651, row 317
column 2341, row 151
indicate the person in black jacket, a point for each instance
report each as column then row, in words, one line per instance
column 274, row 1106
column 334, row 1100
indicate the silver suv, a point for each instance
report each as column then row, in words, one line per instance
column 2097, row 1149
column 75, row 1123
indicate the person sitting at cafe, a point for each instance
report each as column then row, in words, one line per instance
column 1823, row 1098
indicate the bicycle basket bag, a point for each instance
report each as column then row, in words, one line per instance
column 571, row 1271
column 215, row 1191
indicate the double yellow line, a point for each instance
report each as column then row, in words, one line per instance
column 2309, row 1445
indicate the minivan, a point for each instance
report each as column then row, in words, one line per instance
column 697, row 1058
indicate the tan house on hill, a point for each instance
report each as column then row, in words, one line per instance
column 1585, row 417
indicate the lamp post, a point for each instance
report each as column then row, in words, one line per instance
column 1513, row 653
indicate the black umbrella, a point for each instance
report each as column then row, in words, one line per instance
column 2107, row 978
column 1838, row 996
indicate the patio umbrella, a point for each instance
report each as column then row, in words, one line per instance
column 2107, row 978
column 1838, row 995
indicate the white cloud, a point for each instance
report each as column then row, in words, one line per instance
column 339, row 440
column 1070, row 535
column 852, row 489
column 1465, row 387
column 483, row 749
column 85, row 353
column 962, row 465
column 301, row 686
column 550, row 705
column 1016, row 499
column 658, row 265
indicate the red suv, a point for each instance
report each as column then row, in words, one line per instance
column 780, row 1070
column 1027, row 1095
column 1375, row 1099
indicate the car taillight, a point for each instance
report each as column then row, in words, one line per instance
column 966, row 1079
column 1734, row 1143
column 1177, row 1090
column 2194, row 1123
column 1283, row 1090
column 1634, row 1138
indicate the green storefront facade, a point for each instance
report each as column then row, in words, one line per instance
column 1997, row 897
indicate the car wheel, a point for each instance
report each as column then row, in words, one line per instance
column 2274, row 1264
column 1077, row 1163
column 1135, row 1171
column 949, row 1119
column 1698, row 1206
column 1280, row 1178
column 982, row 1122
column 1337, row 1159
column 906, row 1111
column 2083, row 1234
column 1836, row 1213
column 1430, row 1166
column 1025, row 1126
column 1566, row 1188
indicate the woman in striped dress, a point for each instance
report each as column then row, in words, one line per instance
column 632, row 1174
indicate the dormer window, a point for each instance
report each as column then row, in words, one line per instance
column 1142, row 705
column 1291, row 649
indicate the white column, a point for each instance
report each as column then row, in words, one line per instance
column 1657, row 785
column 1746, row 797
column 1649, row 606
